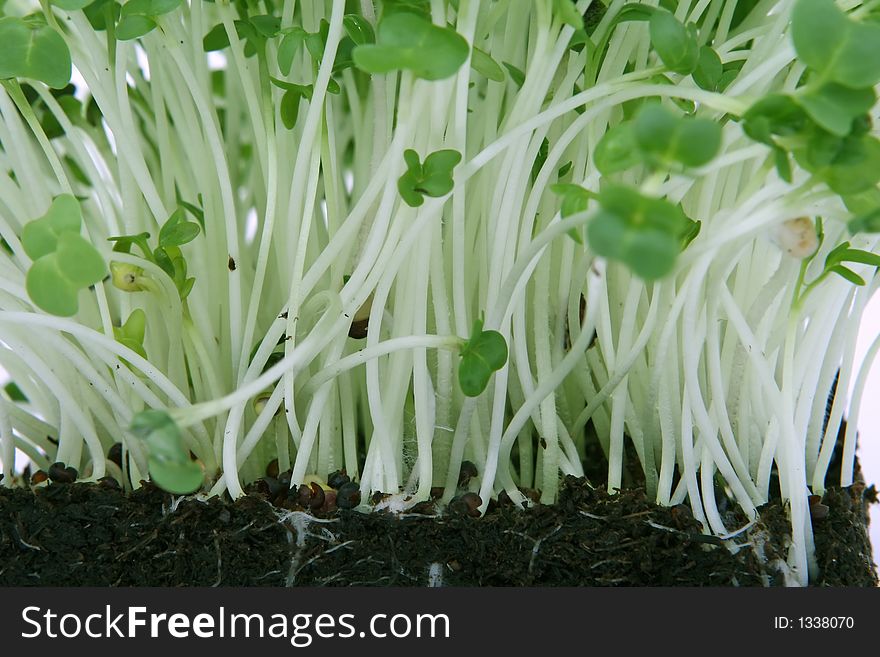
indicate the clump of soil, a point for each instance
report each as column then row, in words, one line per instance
column 90, row 534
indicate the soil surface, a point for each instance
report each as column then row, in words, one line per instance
column 91, row 534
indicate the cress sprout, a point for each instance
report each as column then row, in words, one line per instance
column 393, row 237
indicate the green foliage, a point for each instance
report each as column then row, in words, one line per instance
column 484, row 353
column 575, row 199
column 431, row 178
column 31, row 49
column 139, row 17
column 71, row 5
column 617, row 149
column 170, row 465
column 709, row 70
column 483, row 64
column 646, row 234
column 131, row 333
column 867, row 222
column 173, row 234
column 836, row 48
column 408, row 41
column 675, row 43
column 843, row 253
column 64, row 261
column 516, row 75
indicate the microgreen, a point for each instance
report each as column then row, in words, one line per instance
column 64, row 261
column 433, row 177
column 170, row 465
column 322, row 293
column 408, row 41
column 482, row 355
column 32, row 49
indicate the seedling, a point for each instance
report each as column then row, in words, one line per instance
column 420, row 235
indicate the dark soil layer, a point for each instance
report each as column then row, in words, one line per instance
column 86, row 534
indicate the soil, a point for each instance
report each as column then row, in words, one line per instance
column 82, row 534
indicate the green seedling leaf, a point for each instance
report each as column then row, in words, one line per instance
column 690, row 141
column 289, row 46
column 79, row 262
column 568, row 13
column 289, row 108
column 123, row 243
column 644, row 233
column 266, row 25
column 149, row 7
column 483, row 64
column 481, row 356
column 839, row 49
column 675, row 44
column 854, row 169
column 408, row 41
column 161, row 258
column 177, row 231
column 14, row 392
column 71, row 5
column 134, row 26
column 170, row 465
column 131, row 333
column 848, row 274
column 776, row 114
column 35, row 51
column 517, row 75
column 358, row 29
column 50, row 289
column 835, row 107
column 868, row 222
column 709, row 69
column 40, row 236
column 433, row 178
column 782, row 163
column 617, row 150
column 99, row 10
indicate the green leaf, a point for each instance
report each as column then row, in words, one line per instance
column 483, row 354
column 50, row 289
column 644, row 233
column 217, row 39
column 40, row 236
column 517, row 75
column 617, row 150
column 433, row 178
column 71, row 5
column 835, row 107
column 266, row 25
column 568, row 13
column 358, row 29
column 848, row 274
column 123, row 243
column 868, row 222
column 14, row 392
column 690, row 141
column 149, row 7
column 776, row 114
column 79, row 261
column 408, row 41
column 175, row 477
column 839, row 49
column 170, row 465
column 289, row 46
column 289, row 108
column 177, row 231
column 33, row 51
column 855, row 168
column 674, row 43
column 575, row 199
column 709, row 69
column 483, row 64
column 134, row 26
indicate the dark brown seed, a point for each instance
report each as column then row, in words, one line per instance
column 532, row 494
column 38, row 477
column 437, row 492
column 467, row 505
column 272, row 469
column 284, row 479
column 338, row 479
column 231, row 264
column 115, row 454
column 317, row 498
column 62, row 474
column 467, row 472
column 348, row 496
column 454, row 565
column 109, row 483
column 504, row 499
column 329, row 505
column 358, row 329
column 426, row 508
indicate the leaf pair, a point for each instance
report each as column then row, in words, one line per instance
column 411, row 42
column 646, row 234
column 843, row 253
column 484, row 353
column 431, row 178
column 131, row 333
column 31, row 49
column 139, row 17
column 658, row 136
column 64, row 261
column 170, row 465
